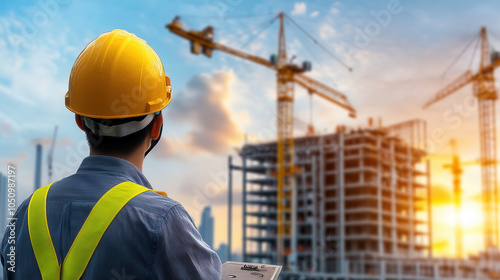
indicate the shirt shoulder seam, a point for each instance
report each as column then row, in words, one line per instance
column 157, row 232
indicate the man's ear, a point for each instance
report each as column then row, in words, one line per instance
column 155, row 130
column 79, row 122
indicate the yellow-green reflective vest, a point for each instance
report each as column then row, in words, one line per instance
column 88, row 237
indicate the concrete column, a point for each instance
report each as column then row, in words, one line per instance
column 259, row 231
column 341, row 205
column 382, row 270
column 322, row 236
column 400, row 270
column 361, row 165
column 244, row 202
column 361, row 266
column 411, row 198
column 436, row 271
column 293, row 257
column 229, row 205
column 380, row 227
column 394, row 187
column 317, row 217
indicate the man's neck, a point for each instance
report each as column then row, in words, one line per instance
column 136, row 158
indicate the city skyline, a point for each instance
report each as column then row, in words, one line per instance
column 206, row 227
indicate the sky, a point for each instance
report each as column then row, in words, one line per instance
column 399, row 51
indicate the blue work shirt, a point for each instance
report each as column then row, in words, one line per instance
column 152, row 237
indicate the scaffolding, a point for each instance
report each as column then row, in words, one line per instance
column 360, row 207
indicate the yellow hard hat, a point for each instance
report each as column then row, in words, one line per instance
column 118, row 75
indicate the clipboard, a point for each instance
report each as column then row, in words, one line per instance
column 248, row 271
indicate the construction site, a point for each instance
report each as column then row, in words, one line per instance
column 356, row 203
column 345, row 202
column 361, row 209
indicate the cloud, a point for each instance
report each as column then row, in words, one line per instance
column 441, row 245
column 334, row 11
column 47, row 141
column 478, row 197
column 31, row 76
column 203, row 106
column 314, row 14
column 31, row 69
column 210, row 193
column 173, row 148
column 299, row 8
column 441, row 195
column 7, row 124
column 5, row 128
column 16, row 161
column 326, row 31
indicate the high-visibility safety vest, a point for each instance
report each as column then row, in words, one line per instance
column 87, row 239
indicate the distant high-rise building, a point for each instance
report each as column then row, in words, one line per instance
column 207, row 226
column 3, row 208
column 222, row 252
column 38, row 166
column 3, row 202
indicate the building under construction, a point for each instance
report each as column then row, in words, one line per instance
column 360, row 208
column 354, row 204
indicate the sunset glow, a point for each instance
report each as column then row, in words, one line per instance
column 223, row 102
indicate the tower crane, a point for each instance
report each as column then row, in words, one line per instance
column 456, row 171
column 484, row 90
column 287, row 74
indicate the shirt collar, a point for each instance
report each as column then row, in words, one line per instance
column 114, row 166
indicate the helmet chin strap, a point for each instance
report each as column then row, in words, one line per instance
column 154, row 142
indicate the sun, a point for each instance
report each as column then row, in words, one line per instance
column 470, row 221
column 471, row 215
column 469, row 218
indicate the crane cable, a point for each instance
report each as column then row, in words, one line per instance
column 227, row 17
column 459, row 56
column 317, row 43
column 315, row 58
column 265, row 27
column 190, row 19
column 476, row 49
column 309, row 50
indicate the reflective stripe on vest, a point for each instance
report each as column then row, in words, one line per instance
column 87, row 239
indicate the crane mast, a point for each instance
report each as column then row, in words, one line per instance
column 456, row 171
column 286, row 170
column 485, row 92
column 287, row 74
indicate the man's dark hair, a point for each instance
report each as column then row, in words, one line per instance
column 126, row 144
